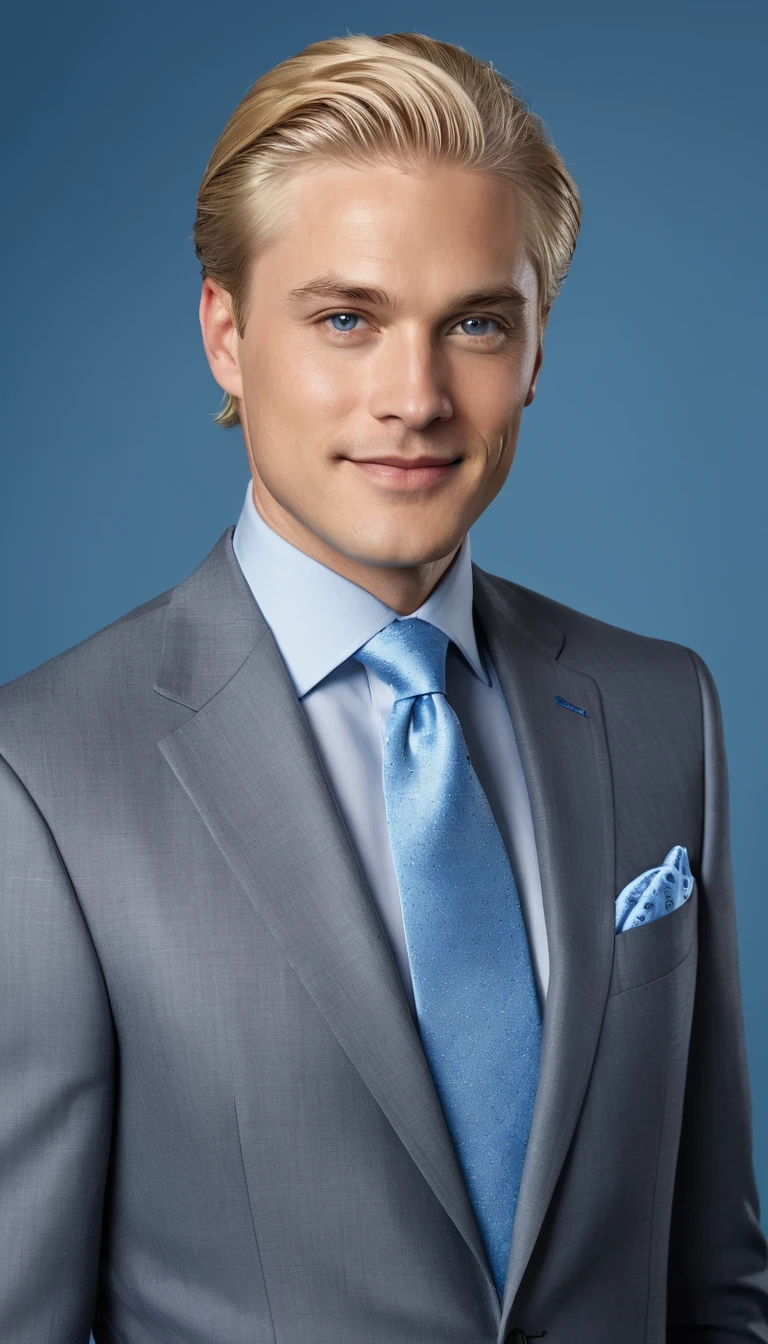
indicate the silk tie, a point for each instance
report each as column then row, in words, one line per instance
column 476, row 1003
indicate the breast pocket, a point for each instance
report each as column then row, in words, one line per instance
column 652, row 950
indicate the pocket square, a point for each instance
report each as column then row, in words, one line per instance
column 655, row 892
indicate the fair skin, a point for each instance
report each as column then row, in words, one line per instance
column 391, row 343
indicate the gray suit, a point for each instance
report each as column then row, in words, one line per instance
column 218, row 1125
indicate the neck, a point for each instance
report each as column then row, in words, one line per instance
column 402, row 587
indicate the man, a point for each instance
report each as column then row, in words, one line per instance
column 369, row 963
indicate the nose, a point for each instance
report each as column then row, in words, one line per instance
column 408, row 382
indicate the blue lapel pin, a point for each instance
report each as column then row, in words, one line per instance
column 567, row 705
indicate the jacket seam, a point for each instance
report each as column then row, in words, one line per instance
column 253, row 1222
column 64, row 868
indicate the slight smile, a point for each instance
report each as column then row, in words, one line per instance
column 407, row 474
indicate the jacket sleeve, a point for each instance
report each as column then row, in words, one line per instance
column 56, row 1067
column 718, row 1280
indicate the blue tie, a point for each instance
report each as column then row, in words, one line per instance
column 476, row 1002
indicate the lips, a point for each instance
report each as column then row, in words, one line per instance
column 406, row 473
column 406, row 463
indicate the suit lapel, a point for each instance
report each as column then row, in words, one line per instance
column 247, row 761
column 567, row 769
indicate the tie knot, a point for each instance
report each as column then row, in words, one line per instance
column 409, row 656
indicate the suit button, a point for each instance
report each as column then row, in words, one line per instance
column 520, row 1337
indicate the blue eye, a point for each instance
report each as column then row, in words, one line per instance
column 477, row 326
column 344, row 321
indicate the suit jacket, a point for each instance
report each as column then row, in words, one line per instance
column 217, row 1122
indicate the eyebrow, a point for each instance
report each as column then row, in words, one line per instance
column 331, row 286
column 337, row 289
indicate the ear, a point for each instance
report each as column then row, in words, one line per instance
column 534, row 376
column 220, row 339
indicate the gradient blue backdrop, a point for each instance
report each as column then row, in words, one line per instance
column 638, row 492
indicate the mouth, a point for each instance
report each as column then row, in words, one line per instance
column 401, row 473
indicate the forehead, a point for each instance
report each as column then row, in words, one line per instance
column 415, row 233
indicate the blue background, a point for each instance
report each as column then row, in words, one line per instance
column 638, row 492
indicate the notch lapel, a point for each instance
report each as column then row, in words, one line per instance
column 567, row 770
column 247, row 760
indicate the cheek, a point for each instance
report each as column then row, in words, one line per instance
column 489, row 393
column 303, row 384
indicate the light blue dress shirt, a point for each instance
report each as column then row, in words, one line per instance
column 318, row 619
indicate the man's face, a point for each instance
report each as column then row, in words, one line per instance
column 391, row 344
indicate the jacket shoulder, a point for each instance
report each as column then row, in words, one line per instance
column 101, row 692
column 109, row 658
column 595, row 646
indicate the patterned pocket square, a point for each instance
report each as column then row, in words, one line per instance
column 656, row 892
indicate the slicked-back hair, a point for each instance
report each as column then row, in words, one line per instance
column 401, row 99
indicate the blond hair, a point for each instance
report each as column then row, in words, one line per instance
column 403, row 99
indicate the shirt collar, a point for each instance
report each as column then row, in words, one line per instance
column 318, row 618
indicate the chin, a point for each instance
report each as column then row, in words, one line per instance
column 403, row 547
